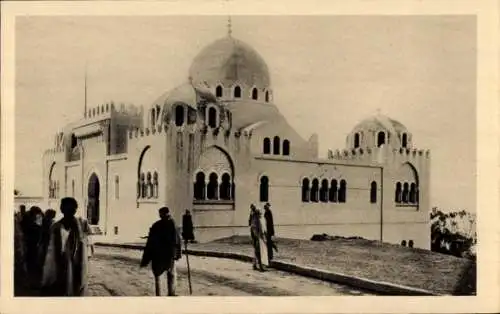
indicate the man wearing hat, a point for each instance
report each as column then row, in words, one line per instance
column 268, row 215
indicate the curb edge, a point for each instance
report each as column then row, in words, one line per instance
column 383, row 288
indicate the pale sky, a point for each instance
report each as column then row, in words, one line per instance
column 327, row 73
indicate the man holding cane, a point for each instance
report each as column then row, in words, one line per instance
column 162, row 249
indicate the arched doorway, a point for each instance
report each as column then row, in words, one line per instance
column 93, row 197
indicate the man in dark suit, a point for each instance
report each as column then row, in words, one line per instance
column 268, row 215
column 162, row 249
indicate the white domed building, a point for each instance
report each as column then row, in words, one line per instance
column 217, row 143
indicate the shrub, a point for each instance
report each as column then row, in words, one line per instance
column 453, row 233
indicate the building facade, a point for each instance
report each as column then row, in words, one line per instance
column 217, row 143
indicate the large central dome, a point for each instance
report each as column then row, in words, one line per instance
column 229, row 61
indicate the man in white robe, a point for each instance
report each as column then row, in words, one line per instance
column 66, row 259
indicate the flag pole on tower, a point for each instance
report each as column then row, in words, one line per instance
column 85, row 92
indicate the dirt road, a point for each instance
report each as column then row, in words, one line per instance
column 116, row 272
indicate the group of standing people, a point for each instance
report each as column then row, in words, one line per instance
column 51, row 257
column 262, row 234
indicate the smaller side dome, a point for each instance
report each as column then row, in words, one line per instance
column 184, row 93
column 377, row 131
column 188, row 104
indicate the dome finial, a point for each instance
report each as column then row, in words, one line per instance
column 229, row 30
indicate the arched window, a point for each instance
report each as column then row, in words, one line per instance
column 73, row 188
column 225, row 187
column 233, row 189
column 314, row 190
column 237, row 92
column 212, row 117
column 413, row 193
column 410, row 243
column 212, row 187
column 403, row 243
column 143, row 186
column 405, row 192
column 179, row 115
column 323, row 191
column 276, row 145
column 267, row 96
column 255, row 94
column 51, row 189
column 404, row 140
column 117, row 187
column 149, row 185
column 153, row 114
column 332, row 195
column 199, row 186
column 380, row 138
column 141, row 178
column 267, row 146
column 218, row 91
column 264, row 189
column 286, row 147
column 356, row 140
column 155, row 185
column 417, row 195
column 139, row 189
column 305, row 190
column 343, row 191
column 397, row 198
column 373, row 192
column 74, row 141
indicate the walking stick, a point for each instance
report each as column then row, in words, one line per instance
column 189, row 271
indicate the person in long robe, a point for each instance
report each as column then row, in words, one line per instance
column 263, row 239
column 256, row 235
column 48, row 221
column 268, row 215
column 162, row 249
column 66, row 261
column 32, row 236
column 20, row 269
column 187, row 227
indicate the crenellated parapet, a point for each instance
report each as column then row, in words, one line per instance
column 111, row 109
column 136, row 134
column 411, row 152
column 378, row 154
column 99, row 110
column 351, row 154
column 60, row 142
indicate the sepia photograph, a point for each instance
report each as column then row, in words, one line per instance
column 242, row 155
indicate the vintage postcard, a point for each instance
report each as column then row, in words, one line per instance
column 264, row 157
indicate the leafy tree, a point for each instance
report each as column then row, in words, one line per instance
column 453, row 232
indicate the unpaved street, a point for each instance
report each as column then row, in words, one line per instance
column 116, row 272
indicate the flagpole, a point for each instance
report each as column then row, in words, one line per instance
column 85, row 90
